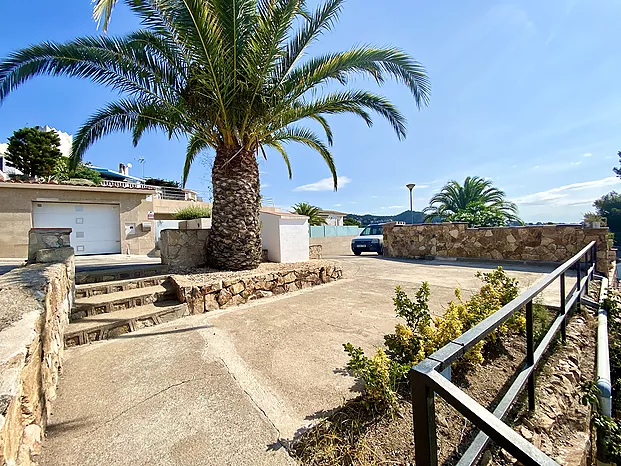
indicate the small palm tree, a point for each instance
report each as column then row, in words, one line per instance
column 454, row 199
column 312, row 212
column 232, row 77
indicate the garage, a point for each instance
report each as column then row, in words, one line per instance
column 96, row 228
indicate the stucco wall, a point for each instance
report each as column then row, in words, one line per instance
column 334, row 245
column 34, row 310
column 550, row 243
column 165, row 209
column 293, row 240
column 16, row 213
column 270, row 237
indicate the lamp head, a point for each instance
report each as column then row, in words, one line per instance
column 410, row 186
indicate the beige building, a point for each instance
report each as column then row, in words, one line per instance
column 104, row 220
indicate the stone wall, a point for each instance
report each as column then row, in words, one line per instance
column 550, row 243
column 222, row 293
column 315, row 251
column 46, row 238
column 35, row 303
column 184, row 248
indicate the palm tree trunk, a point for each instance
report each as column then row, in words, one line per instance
column 235, row 237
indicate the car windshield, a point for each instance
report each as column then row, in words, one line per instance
column 372, row 230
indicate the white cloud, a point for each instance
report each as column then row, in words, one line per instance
column 265, row 185
column 338, row 205
column 422, row 186
column 588, row 154
column 576, row 163
column 396, row 207
column 327, row 184
column 374, row 197
column 353, row 202
column 570, row 194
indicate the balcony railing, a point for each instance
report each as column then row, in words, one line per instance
column 161, row 192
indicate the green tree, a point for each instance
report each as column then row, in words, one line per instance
column 161, row 182
column 477, row 214
column 34, row 152
column 351, row 222
column 475, row 193
column 609, row 207
column 311, row 212
column 231, row 76
column 64, row 172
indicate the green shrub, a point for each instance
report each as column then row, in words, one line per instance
column 193, row 212
column 608, row 429
column 380, row 374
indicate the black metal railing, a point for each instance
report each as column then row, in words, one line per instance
column 426, row 379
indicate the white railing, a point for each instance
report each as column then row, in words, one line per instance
column 161, row 192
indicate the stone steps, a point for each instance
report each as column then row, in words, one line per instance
column 112, row 302
column 97, row 289
column 109, row 325
column 119, row 273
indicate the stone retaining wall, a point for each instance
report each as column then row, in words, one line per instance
column 315, row 251
column 35, row 303
column 184, row 248
column 222, row 293
column 550, row 243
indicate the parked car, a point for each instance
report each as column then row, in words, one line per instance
column 370, row 240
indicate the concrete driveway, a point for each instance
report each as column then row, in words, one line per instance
column 231, row 387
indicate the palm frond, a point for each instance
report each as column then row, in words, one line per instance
column 307, row 137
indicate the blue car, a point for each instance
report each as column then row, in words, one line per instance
column 370, row 240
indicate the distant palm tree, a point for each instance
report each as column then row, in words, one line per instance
column 311, row 212
column 454, row 198
column 231, row 76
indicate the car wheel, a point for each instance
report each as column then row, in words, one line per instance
column 357, row 253
column 380, row 252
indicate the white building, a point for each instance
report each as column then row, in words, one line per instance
column 332, row 217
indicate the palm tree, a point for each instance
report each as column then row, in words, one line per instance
column 230, row 75
column 454, row 199
column 102, row 11
column 312, row 212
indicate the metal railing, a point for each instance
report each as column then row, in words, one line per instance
column 426, row 379
column 161, row 192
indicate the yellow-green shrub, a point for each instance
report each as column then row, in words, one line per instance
column 421, row 335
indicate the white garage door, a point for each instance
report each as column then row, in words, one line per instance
column 95, row 228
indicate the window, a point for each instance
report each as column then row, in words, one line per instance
column 372, row 230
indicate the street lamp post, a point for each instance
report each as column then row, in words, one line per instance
column 411, row 187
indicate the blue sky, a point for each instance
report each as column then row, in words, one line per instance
column 524, row 93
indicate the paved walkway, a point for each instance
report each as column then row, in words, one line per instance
column 230, row 387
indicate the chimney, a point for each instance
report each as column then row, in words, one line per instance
column 123, row 169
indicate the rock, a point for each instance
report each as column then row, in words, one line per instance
column 224, row 297
column 527, row 434
column 278, row 290
column 289, row 278
column 237, row 288
column 211, row 303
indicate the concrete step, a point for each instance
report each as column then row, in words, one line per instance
column 107, row 274
column 113, row 302
column 104, row 326
column 97, row 289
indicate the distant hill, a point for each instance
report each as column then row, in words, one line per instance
column 405, row 216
